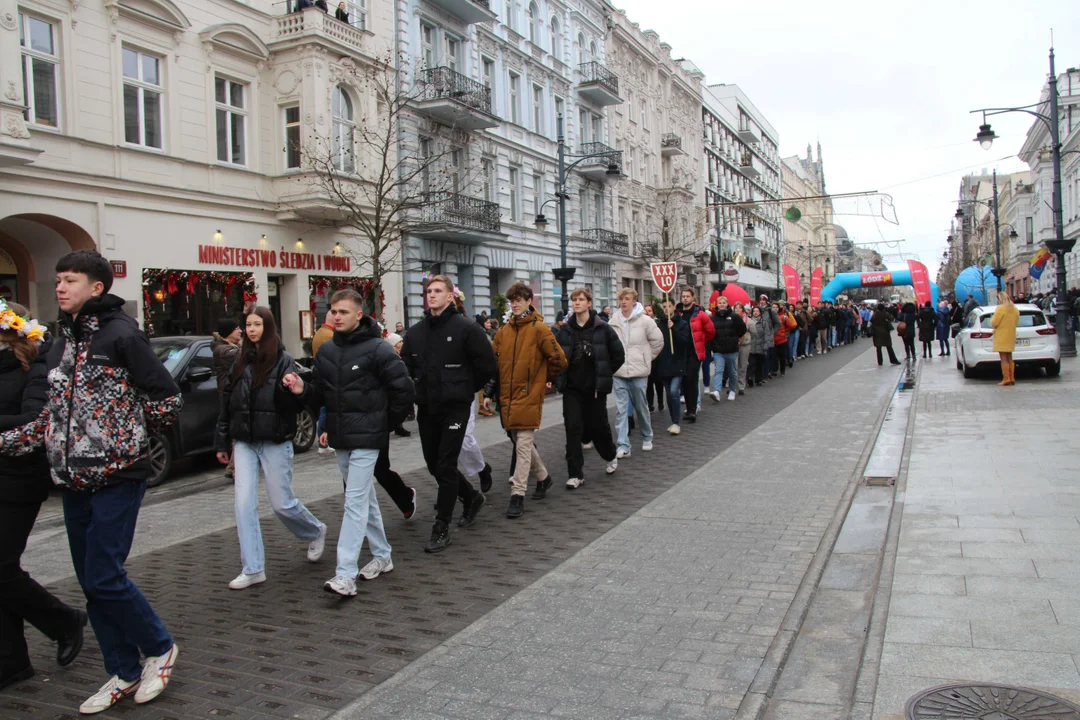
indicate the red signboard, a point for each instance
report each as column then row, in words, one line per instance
column 664, row 274
column 815, row 288
column 245, row 257
column 119, row 268
column 875, row 279
column 791, row 283
column 920, row 279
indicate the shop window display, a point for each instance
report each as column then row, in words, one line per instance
column 189, row 302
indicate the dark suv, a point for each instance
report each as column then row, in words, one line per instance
column 191, row 362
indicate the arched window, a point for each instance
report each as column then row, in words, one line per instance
column 534, row 24
column 592, row 50
column 555, row 37
column 344, row 131
column 581, row 48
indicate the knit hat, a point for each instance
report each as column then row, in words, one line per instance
column 226, row 326
column 393, row 339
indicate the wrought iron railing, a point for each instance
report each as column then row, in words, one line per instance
column 594, row 72
column 670, row 140
column 446, row 208
column 647, row 249
column 443, row 83
column 601, row 155
column 605, row 241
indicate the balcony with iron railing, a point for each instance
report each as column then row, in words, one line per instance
column 598, row 84
column 600, row 161
column 601, row 244
column 304, row 26
column 458, row 218
column 468, row 11
column 671, row 145
column 450, row 98
column 647, row 250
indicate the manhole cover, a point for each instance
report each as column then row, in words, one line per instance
column 988, row 702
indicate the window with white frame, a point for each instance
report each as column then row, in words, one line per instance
column 597, row 128
column 452, row 58
column 427, row 45
column 581, row 48
column 514, row 88
column 560, row 112
column 555, row 38
column 487, row 179
column 143, row 113
column 343, row 131
column 532, row 16
column 538, row 109
column 583, row 209
column 508, row 11
column 592, row 49
column 292, row 137
column 425, row 164
column 598, row 209
column 488, row 67
column 457, row 167
column 645, row 114
column 40, row 68
column 583, row 126
column 231, row 111
column 515, row 195
column 358, row 13
column 538, row 192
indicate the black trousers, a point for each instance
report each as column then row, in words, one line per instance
column 756, row 369
column 781, row 355
column 909, row 347
column 586, row 415
column 892, row 355
column 690, row 382
column 441, row 435
column 21, row 598
column 655, row 386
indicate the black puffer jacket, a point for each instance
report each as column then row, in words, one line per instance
column 729, row 328
column 449, row 358
column 263, row 414
column 673, row 359
column 22, row 397
column 603, row 342
column 364, row 385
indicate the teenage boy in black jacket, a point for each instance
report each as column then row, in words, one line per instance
column 450, row 359
column 108, row 392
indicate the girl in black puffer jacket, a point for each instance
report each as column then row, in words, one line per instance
column 258, row 414
column 25, row 482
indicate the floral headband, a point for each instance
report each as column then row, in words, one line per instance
column 458, row 294
column 26, row 326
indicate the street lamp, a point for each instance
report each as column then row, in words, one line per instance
column 565, row 274
column 1059, row 245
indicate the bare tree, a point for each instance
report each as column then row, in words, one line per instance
column 387, row 170
column 679, row 231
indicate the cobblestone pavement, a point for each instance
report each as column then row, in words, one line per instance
column 287, row 649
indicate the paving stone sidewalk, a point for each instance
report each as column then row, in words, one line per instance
column 287, row 649
column 670, row 614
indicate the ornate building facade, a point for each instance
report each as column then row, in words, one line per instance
column 809, row 233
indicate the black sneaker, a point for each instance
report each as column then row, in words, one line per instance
column 485, row 478
column 468, row 515
column 541, row 488
column 690, row 417
column 400, row 431
column 440, row 538
column 517, row 506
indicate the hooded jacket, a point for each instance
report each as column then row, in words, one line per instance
column 528, row 357
column 600, row 342
column 786, row 324
column 22, row 397
column 641, row 340
column 225, row 354
column 728, row 327
column 671, row 362
column 449, row 358
column 258, row 414
column 760, row 334
column 108, row 392
column 700, row 325
column 364, row 385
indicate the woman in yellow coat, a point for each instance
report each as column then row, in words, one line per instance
column 1004, row 322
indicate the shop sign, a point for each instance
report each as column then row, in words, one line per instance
column 119, row 268
column 281, row 259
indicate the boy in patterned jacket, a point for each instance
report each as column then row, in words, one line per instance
column 108, row 392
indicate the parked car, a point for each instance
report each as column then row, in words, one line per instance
column 1036, row 341
column 190, row 361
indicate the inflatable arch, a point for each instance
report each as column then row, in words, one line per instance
column 848, row 281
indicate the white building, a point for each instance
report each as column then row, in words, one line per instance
column 809, row 233
column 166, row 134
column 500, row 76
column 743, row 186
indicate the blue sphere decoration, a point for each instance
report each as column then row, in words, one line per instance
column 972, row 281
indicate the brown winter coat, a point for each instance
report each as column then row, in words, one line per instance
column 529, row 357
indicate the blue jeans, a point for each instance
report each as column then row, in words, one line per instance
column 727, row 370
column 100, row 529
column 362, row 516
column 276, row 460
column 630, row 395
column 705, row 368
column 793, row 344
column 320, row 425
column 674, row 390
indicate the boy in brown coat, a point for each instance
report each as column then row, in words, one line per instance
column 528, row 358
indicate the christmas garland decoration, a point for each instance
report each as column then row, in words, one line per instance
column 325, row 286
column 184, row 283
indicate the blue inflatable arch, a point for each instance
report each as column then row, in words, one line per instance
column 849, row 281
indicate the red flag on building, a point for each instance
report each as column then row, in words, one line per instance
column 920, row 279
column 815, row 287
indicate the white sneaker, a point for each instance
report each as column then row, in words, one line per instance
column 587, row 446
column 622, row 454
column 110, row 693
column 674, row 429
column 715, row 395
column 242, row 581
column 612, row 466
column 156, row 672
column 647, row 445
column 341, row 585
column 377, row 567
column 315, row 547
column 730, row 395
column 574, row 483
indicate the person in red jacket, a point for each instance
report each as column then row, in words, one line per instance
column 787, row 324
column 702, row 330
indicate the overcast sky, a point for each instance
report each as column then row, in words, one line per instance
column 885, row 87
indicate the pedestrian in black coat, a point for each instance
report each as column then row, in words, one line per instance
column 910, row 317
column 882, row 330
column 25, row 482
column 927, row 328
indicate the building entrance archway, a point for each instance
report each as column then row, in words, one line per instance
column 30, row 245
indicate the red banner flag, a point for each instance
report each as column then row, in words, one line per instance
column 920, row 279
column 815, row 287
column 664, row 275
column 791, row 282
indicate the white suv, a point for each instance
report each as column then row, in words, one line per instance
column 1036, row 341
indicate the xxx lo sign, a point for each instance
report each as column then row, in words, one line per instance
column 664, row 274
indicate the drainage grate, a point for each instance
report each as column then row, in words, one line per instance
column 988, row 702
